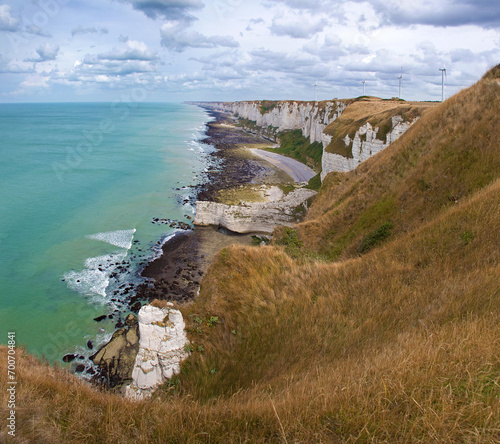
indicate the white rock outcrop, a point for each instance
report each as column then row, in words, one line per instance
column 162, row 347
column 261, row 217
column 362, row 149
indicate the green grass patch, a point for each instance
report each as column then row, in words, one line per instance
column 315, row 183
column 376, row 237
column 293, row 144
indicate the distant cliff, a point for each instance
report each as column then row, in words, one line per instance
column 350, row 131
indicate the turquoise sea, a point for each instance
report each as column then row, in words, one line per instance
column 80, row 185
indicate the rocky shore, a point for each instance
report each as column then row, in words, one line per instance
column 175, row 276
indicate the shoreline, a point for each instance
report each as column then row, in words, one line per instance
column 184, row 258
column 175, row 275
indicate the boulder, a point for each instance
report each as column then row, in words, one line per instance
column 116, row 359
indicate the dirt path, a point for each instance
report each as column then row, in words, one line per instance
column 297, row 170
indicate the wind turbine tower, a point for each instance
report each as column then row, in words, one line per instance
column 400, row 82
column 363, row 82
column 443, row 75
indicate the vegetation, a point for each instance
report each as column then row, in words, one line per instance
column 294, row 144
column 377, row 112
column 315, row 182
column 266, row 106
column 399, row 344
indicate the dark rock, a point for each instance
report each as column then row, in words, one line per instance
column 90, row 345
column 116, row 359
column 100, row 318
column 79, row 368
column 135, row 307
column 69, row 357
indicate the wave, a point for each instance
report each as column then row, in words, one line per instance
column 95, row 277
column 118, row 238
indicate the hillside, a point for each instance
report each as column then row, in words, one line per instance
column 375, row 320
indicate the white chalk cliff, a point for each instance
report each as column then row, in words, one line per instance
column 251, row 217
column 362, row 149
column 162, row 347
column 312, row 118
column 309, row 117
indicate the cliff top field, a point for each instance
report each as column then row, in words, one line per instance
column 374, row 320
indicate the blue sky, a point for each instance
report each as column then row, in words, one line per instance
column 176, row 50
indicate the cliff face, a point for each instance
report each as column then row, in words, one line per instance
column 261, row 217
column 363, row 149
column 318, row 122
column 310, row 117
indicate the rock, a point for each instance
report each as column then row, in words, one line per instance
column 90, row 345
column 135, row 307
column 69, row 357
column 161, row 349
column 131, row 319
column 100, row 318
column 79, row 368
column 253, row 217
column 116, row 359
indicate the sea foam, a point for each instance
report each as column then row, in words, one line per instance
column 94, row 278
column 119, row 238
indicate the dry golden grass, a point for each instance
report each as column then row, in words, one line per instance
column 399, row 345
column 450, row 153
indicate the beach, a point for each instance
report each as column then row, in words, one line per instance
column 177, row 273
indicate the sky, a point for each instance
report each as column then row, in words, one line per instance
column 229, row 50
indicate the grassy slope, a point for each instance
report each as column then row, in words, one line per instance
column 401, row 344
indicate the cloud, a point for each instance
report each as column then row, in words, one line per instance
column 174, row 38
column 311, row 5
column 7, row 22
column 299, row 28
column 133, row 58
column 254, row 22
column 267, row 60
column 331, row 49
column 484, row 13
column 14, row 66
column 46, row 52
column 88, row 30
column 167, row 9
column 133, row 50
column 35, row 30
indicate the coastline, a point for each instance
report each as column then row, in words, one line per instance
column 175, row 274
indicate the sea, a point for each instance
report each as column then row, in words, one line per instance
column 81, row 185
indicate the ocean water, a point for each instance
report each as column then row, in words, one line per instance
column 80, row 185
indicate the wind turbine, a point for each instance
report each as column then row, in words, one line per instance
column 400, row 81
column 443, row 75
column 316, row 90
column 363, row 82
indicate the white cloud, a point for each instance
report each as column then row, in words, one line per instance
column 298, row 28
column 7, row 22
column 88, row 30
column 46, row 52
column 133, row 50
column 176, row 39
